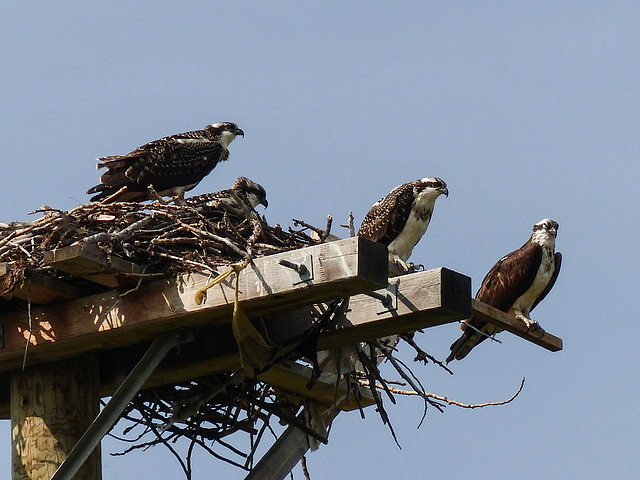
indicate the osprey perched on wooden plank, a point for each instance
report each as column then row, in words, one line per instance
column 400, row 218
column 171, row 165
column 515, row 285
column 247, row 191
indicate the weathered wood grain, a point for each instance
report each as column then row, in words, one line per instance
column 424, row 299
column 106, row 321
column 51, row 407
column 285, row 453
column 88, row 262
column 515, row 326
column 41, row 289
column 293, row 377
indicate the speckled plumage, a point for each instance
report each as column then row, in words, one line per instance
column 516, row 284
column 400, row 218
column 172, row 165
column 248, row 191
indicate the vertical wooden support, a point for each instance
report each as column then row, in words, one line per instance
column 286, row 452
column 51, row 407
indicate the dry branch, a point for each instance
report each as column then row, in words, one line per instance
column 448, row 400
column 225, row 414
column 163, row 238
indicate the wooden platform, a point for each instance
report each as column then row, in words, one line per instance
column 108, row 320
column 418, row 301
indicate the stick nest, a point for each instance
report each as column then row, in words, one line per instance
column 206, row 412
column 164, row 239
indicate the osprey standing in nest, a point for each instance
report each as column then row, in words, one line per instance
column 515, row 285
column 401, row 217
column 169, row 166
column 250, row 193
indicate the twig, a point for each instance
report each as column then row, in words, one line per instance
column 181, row 260
column 165, row 442
column 218, row 238
column 396, row 364
column 122, row 235
column 155, row 195
column 350, row 225
column 134, row 289
column 421, row 355
column 449, row 401
column 486, row 335
column 303, row 464
column 327, row 230
column 322, row 234
column 114, row 195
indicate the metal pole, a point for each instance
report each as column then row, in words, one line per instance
column 162, row 345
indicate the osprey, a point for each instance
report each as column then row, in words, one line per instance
column 249, row 192
column 171, row 165
column 400, row 218
column 515, row 285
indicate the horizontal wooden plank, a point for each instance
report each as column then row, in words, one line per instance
column 40, row 288
column 293, row 377
column 515, row 326
column 423, row 299
column 107, row 320
column 286, row 375
column 87, row 261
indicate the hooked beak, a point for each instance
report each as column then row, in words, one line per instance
column 445, row 191
column 239, row 132
column 265, row 203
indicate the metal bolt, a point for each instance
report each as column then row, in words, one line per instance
column 300, row 268
column 386, row 300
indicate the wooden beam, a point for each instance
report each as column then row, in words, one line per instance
column 285, row 453
column 515, row 326
column 105, row 321
column 215, row 351
column 40, row 289
column 89, row 262
column 293, row 377
column 51, row 407
column 422, row 300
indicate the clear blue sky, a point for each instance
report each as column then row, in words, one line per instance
column 527, row 111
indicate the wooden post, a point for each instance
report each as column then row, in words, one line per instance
column 51, row 407
column 285, row 454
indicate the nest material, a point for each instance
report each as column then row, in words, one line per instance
column 164, row 239
column 213, row 411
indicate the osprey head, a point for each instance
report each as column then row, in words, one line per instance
column 225, row 132
column 544, row 232
column 546, row 226
column 430, row 187
column 254, row 192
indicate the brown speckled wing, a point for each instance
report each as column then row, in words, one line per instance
column 387, row 217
